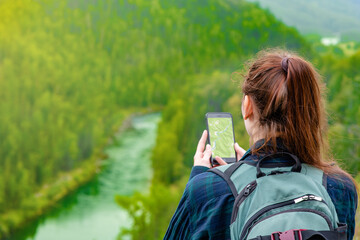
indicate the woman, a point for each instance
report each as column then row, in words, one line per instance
column 283, row 110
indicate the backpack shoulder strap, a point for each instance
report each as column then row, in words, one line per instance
column 226, row 175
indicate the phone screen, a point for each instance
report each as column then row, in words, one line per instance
column 221, row 136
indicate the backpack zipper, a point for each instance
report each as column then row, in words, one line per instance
column 321, row 214
column 307, row 197
column 241, row 197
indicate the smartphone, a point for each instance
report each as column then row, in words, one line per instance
column 221, row 136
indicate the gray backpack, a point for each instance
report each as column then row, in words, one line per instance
column 280, row 203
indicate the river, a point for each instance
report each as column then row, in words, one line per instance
column 91, row 213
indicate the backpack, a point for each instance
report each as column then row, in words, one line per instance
column 280, row 202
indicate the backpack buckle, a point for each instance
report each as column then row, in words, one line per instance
column 293, row 234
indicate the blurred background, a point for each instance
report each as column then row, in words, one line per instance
column 102, row 102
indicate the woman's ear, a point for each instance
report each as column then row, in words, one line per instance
column 247, row 107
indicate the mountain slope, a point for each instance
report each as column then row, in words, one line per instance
column 68, row 70
column 324, row 17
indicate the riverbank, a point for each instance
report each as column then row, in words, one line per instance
column 65, row 183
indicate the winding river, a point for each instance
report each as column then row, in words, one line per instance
column 91, row 212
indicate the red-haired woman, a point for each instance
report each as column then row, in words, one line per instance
column 283, row 110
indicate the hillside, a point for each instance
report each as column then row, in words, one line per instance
column 70, row 71
column 335, row 18
column 238, row 29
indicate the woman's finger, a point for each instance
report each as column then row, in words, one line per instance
column 239, row 151
column 203, row 159
column 207, row 152
column 201, row 145
column 220, row 160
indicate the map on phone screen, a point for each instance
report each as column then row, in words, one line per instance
column 221, row 137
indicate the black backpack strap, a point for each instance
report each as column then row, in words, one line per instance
column 230, row 170
column 325, row 235
column 337, row 234
column 227, row 174
column 296, row 167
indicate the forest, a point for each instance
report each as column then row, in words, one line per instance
column 72, row 71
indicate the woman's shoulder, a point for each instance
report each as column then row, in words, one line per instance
column 342, row 190
column 343, row 194
column 341, row 182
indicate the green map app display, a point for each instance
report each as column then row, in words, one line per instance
column 221, row 137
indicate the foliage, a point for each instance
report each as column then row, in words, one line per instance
column 151, row 213
column 67, row 68
column 36, row 205
column 183, row 121
column 231, row 28
column 183, row 116
column 70, row 71
column 343, row 83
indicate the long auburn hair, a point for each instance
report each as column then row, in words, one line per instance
column 288, row 95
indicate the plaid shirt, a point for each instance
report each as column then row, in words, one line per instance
column 205, row 208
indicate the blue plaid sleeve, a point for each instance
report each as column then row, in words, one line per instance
column 344, row 196
column 197, row 170
column 204, row 210
column 210, row 204
column 179, row 224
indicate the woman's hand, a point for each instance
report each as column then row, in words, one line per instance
column 202, row 155
column 239, row 153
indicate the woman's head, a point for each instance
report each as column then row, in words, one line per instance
column 284, row 93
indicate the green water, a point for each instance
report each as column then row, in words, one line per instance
column 91, row 212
